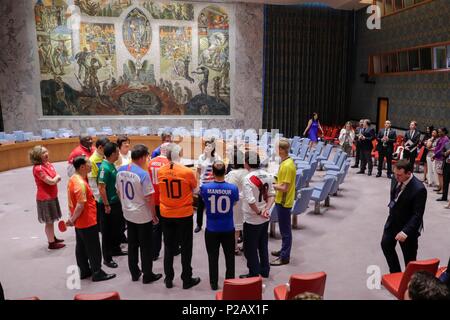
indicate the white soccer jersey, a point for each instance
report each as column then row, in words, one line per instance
column 253, row 194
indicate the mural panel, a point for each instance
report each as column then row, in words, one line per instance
column 94, row 69
column 175, row 52
column 102, row 8
column 170, row 11
column 137, row 33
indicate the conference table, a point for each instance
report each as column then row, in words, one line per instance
column 15, row 155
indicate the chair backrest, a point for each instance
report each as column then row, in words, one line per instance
column 303, row 151
column 335, row 133
column 113, row 295
column 327, row 150
column 298, row 179
column 335, row 185
column 243, row 289
column 336, row 156
column 308, row 282
column 305, row 176
column 430, row 265
column 341, row 160
column 319, row 147
column 327, row 184
column 301, row 204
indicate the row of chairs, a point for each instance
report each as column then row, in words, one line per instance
column 253, row 288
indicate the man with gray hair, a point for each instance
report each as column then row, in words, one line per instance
column 177, row 184
column 165, row 137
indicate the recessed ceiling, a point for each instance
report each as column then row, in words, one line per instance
column 337, row 4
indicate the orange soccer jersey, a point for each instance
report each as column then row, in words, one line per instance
column 176, row 185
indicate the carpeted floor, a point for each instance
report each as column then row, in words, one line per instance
column 343, row 241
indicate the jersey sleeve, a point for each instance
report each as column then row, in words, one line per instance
column 248, row 192
column 79, row 190
column 147, row 186
column 38, row 172
column 102, row 175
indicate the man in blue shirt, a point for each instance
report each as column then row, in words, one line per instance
column 166, row 137
column 219, row 198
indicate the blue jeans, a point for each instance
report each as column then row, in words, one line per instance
column 284, row 222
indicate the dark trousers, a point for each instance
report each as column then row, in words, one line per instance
column 366, row 159
column 256, row 248
column 409, row 249
column 2, row 295
column 284, row 222
column 213, row 241
column 200, row 209
column 178, row 231
column 357, row 154
column 99, row 217
column 87, row 250
column 411, row 156
column 111, row 229
column 157, row 235
column 446, row 173
column 382, row 154
column 140, row 241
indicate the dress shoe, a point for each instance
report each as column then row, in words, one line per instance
column 369, row 174
column 279, row 262
column 248, row 275
column 197, row 229
column 276, row 253
column 136, row 276
column 58, row 240
column 214, row 286
column 154, row 277
column 389, row 176
column 55, row 245
column 86, row 275
column 360, row 172
column 191, row 283
column 110, row 264
column 119, row 253
column 355, row 166
column 378, row 175
column 102, row 276
column 440, row 199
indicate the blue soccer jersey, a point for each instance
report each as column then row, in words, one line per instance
column 219, row 199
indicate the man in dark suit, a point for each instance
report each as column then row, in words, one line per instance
column 412, row 139
column 386, row 138
column 358, row 144
column 405, row 221
column 366, row 135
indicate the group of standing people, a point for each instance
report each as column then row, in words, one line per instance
column 110, row 185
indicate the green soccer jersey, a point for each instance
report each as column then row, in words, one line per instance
column 107, row 176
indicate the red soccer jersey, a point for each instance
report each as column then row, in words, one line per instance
column 153, row 166
column 80, row 151
column 45, row 191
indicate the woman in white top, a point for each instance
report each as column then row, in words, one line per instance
column 237, row 176
column 204, row 170
column 430, row 144
column 123, row 142
column 346, row 138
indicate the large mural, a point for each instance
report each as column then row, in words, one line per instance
column 113, row 63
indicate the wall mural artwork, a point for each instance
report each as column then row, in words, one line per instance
column 106, row 66
column 169, row 11
column 102, row 8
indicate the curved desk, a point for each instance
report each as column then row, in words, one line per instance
column 16, row 155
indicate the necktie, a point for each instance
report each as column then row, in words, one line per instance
column 398, row 189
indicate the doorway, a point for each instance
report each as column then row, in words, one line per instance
column 382, row 112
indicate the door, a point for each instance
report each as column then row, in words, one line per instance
column 383, row 112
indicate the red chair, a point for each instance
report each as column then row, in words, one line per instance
column 334, row 135
column 419, row 156
column 241, row 289
column 440, row 271
column 300, row 283
column 113, row 295
column 397, row 283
